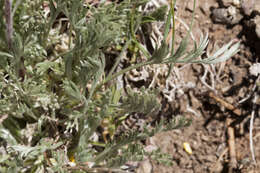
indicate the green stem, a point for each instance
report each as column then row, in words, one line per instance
column 173, row 25
column 70, row 36
column 173, row 34
column 119, row 58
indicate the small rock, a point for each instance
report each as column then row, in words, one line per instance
column 228, row 15
column 255, row 69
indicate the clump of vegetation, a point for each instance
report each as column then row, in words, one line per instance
column 56, row 90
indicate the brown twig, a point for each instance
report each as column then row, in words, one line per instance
column 230, row 130
column 231, row 145
column 227, row 105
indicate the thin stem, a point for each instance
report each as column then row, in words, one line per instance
column 9, row 22
column 54, row 14
column 119, row 58
column 18, row 2
column 193, row 16
column 173, row 34
column 142, row 49
column 70, row 36
column 173, row 25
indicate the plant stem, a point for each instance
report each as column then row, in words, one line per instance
column 9, row 22
column 173, row 34
column 119, row 58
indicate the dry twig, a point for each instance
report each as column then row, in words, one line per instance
column 251, row 130
column 230, row 130
column 227, row 105
column 231, row 145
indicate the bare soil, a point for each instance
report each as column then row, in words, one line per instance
column 230, row 81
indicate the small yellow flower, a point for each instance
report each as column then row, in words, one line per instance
column 72, row 159
column 187, row 147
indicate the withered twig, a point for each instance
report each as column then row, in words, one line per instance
column 231, row 145
column 252, row 120
column 251, row 130
column 227, row 105
column 230, row 130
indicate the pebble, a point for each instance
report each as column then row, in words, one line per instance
column 228, row 15
column 255, row 69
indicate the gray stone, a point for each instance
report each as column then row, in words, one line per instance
column 228, row 15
